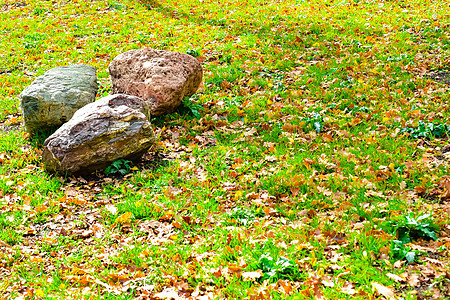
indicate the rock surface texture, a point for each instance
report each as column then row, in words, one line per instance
column 54, row 97
column 114, row 127
column 162, row 78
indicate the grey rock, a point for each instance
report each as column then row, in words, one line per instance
column 55, row 96
column 114, row 127
column 162, row 78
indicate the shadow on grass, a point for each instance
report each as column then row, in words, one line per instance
column 38, row 137
column 186, row 111
column 442, row 76
column 261, row 28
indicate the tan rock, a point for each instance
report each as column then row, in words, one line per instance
column 162, row 78
column 114, row 127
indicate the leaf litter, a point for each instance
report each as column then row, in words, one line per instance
column 275, row 181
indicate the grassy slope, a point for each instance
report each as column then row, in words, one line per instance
column 298, row 154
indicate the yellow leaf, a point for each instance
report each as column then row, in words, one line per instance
column 39, row 293
column 238, row 194
column 134, row 168
column 125, row 218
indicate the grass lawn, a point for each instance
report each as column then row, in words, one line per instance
column 313, row 163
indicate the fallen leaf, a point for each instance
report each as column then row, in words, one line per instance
column 387, row 292
column 124, row 218
column 347, row 288
column 252, row 275
column 111, row 208
column 326, row 281
column 398, row 264
column 445, row 183
column 250, row 132
column 176, row 224
column 169, row 293
column 395, row 277
column 4, row 244
column 413, row 280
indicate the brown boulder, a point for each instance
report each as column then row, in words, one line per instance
column 162, row 78
column 114, row 127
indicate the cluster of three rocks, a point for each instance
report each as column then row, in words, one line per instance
column 145, row 83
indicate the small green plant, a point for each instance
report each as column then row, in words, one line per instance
column 355, row 108
column 276, row 269
column 120, row 166
column 190, row 107
column 314, row 122
column 243, row 216
column 33, row 40
column 401, row 251
column 427, row 130
column 39, row 11
column 407, row 228
column 117, row 5
column 10, row 236
column 193, row 52
column 410, row 227
column 398, row 58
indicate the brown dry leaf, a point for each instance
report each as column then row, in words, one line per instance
column 395, row 277
column 169, row 293
column 327, row 137
column 294, row 191
column 288, row 127
column 111, row 208
column 252, row 195
column 71, row 192
column 398, row 264
column 387, row 292
column 250, row 132
column 318, row 292
column 26, row 200
column 4, row 244
column 445, row 183
column 271, row 158
column 434, row 261
column 252, row 275
column 327, row 281
column 217, row 272
column 420, row 189
column 413, row 280
column 348, row 288
column 234, row 268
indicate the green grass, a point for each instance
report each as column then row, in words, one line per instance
column 301, row 169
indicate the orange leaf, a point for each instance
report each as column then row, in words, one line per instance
column 124, row 218
column 176, row 224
